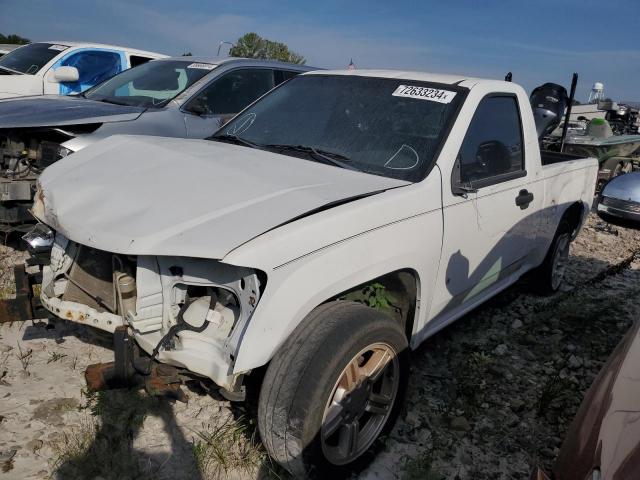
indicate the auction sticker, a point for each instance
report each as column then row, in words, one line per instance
column 59, row 48
column 424, row 93
column 202, row 66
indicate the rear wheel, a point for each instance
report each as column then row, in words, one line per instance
column 333, row 389
column 550, row 275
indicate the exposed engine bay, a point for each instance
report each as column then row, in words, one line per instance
column 24, row 153
column 186, row 312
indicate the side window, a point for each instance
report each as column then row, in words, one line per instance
column 284, row 75
column 94, row 66
column 135, row 60
column 493, row 144
column 233, row 91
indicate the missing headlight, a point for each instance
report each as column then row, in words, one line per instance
column 212, row 310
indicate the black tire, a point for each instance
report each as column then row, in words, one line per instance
column 543, row 276
column 302, row 376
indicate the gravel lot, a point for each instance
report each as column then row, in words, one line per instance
column 489, row 397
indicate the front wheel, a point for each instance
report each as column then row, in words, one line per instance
column 333, row 389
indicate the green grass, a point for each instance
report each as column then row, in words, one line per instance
column 232, row 446
column 55, row 356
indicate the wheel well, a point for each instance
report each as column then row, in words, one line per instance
column 394, row 294
column 573, row 216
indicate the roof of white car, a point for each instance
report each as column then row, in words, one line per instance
column 104, row 45
column 406, row 75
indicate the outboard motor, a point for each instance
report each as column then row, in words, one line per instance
column 548, row 102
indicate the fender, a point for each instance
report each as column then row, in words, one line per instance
column 319, row 257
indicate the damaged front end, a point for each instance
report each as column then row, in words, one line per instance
column 185, row 312
column 24, row 153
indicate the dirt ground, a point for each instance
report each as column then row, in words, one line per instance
column 490, row 397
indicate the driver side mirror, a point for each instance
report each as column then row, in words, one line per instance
column 66, row 74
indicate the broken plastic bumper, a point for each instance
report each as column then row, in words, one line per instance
column 79, row 313
column 208, row 362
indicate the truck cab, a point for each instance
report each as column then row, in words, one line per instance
column 317, row 237
column 64, row 68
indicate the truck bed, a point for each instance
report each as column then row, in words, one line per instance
column 549, row 157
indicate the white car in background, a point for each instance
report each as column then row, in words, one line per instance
column 64, row 67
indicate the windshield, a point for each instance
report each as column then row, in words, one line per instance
column 152, row 84
column 31, row 58
column 383, row 126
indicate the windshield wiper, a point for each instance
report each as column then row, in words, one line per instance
column 332, row 158
column 235, row 139
column 114, row 101
column 327, row 157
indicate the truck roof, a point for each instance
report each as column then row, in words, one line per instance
column 449, row 79
column 133, row 51
column 221, row 60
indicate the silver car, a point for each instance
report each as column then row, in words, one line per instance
column 619, row 201
column 184, row 97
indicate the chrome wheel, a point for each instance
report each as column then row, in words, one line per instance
column 560, row 260
column 360, row 403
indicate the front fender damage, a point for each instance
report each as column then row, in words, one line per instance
column 186, row 312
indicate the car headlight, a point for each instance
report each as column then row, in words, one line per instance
column 40, row 238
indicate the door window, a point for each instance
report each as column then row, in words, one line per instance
column 94, row 66
column 284, row 75
column 233, row 91
column 492, row 150
column 136, row 60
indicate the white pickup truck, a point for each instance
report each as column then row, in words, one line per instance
column 64, row 67
column 321, row 234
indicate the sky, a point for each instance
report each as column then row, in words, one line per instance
column 539, row 41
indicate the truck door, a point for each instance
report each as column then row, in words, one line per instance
column 94, row 66
column 488, row 219
column 224, row 97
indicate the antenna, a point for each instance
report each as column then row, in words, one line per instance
column 508, row 77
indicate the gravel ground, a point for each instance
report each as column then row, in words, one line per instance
column 490, row 397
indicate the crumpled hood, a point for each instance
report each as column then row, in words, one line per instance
column 60, row 110
column 197, row 198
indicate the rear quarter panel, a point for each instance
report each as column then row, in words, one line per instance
column 565, row 184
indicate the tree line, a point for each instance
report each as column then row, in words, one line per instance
column 14, row 39
column 250, row 45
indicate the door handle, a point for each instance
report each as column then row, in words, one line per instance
column 524, row 198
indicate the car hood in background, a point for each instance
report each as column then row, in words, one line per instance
column 59, row 110
column 197, row 198
column 624, row 187
column 605, row 434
